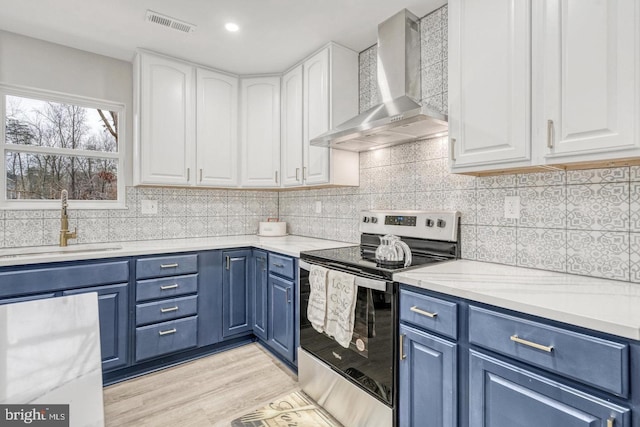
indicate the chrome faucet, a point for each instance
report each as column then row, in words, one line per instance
column 65, row 234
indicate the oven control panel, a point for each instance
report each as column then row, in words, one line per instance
column 435, row 225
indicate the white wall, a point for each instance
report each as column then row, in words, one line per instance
column 33, row 63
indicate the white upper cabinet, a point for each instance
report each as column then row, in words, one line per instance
column 217, row 129
column 588, row 84
column 291, row 141
column 318, row 95
column 260, row 131
column 580, row 62
column 164, row 147
column 188, row 124
column 489, row 82
column 317, row 118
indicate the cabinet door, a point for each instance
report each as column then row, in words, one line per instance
column 316, row 117
column 501, row 394
column 489, row 82
column 167, row 121
column 588, row 56
column 260, row 131
column 281, row 303
column 217, row 129
column 427, row 380
column 113, row 308
column 236, row 293
column 260, row 294
column 292, row 128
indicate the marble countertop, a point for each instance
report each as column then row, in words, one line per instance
column 604, row 305
column 50, row 354
column 287, row 245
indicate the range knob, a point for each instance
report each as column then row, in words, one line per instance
column 429, row 223
column 366, row 219
column 374, row 220
column 441, row 223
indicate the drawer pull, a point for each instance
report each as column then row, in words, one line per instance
column 228, row 261
column 610, row 422
column 174, row 265
column 288, row 299
column 519, row 340
column 415, row 309
column 278, row 265
column 169, row 309
column 402, row 355
column 168, row 332
column 167, row 287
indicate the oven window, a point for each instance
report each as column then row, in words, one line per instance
column 369, row 359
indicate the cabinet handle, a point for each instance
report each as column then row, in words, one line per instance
column 188, row 174
column 453, row 149
column 402, row 355
column 288, row 299
column 166, row 287
column 169, row 309
column 424, row 313
column 304, row 172
column 200, row 174
column 610, row 422
column 276, row 177
column 174, row 265
column 550, row 133
column 228, row 261
column 278, row 265
column 297, row 174
column 519, row 340
column 168, row 332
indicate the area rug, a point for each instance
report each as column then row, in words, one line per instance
column 296, row 409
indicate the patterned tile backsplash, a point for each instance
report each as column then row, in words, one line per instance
column 181, row 213
column 583, row 222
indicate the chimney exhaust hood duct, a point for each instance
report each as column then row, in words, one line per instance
column 400, row 117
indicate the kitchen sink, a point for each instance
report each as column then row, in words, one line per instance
column 56, row 250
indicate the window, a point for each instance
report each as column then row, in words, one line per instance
column 55, row 142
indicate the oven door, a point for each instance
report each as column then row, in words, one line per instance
column 369, row 360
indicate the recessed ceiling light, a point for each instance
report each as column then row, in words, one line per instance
column 231, row 27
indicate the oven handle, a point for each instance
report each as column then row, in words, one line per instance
column 363, row 282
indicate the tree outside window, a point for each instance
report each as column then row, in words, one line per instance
column 50, row 146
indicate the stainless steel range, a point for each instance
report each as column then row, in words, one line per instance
column 357, row 385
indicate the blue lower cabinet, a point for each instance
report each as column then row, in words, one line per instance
column 236, row 293
column 427, row 393
column 113, row 307
column 260, row 280
column 501, row 394
column 281, row 316
column 166, row 337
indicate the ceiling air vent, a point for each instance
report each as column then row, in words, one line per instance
column 167, row 21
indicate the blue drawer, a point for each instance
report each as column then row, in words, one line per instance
column 166, row 266
column 601, row 363
column 282, row 266
column 167, row 309
column 167, row 337
column 166, row 287
column 27, row 298
column 432, row 314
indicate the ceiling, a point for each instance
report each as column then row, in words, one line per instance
column 274, row 34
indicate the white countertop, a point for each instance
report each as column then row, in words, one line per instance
column 609, row 306
column 50, row 354
column 288, row 245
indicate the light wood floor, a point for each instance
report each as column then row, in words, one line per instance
column 211, row 391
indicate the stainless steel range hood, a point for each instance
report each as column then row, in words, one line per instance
column 400, row 117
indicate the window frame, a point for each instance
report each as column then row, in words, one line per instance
column 63, row 98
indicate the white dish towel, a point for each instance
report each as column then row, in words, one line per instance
column 342, row 294
column 317, row 308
